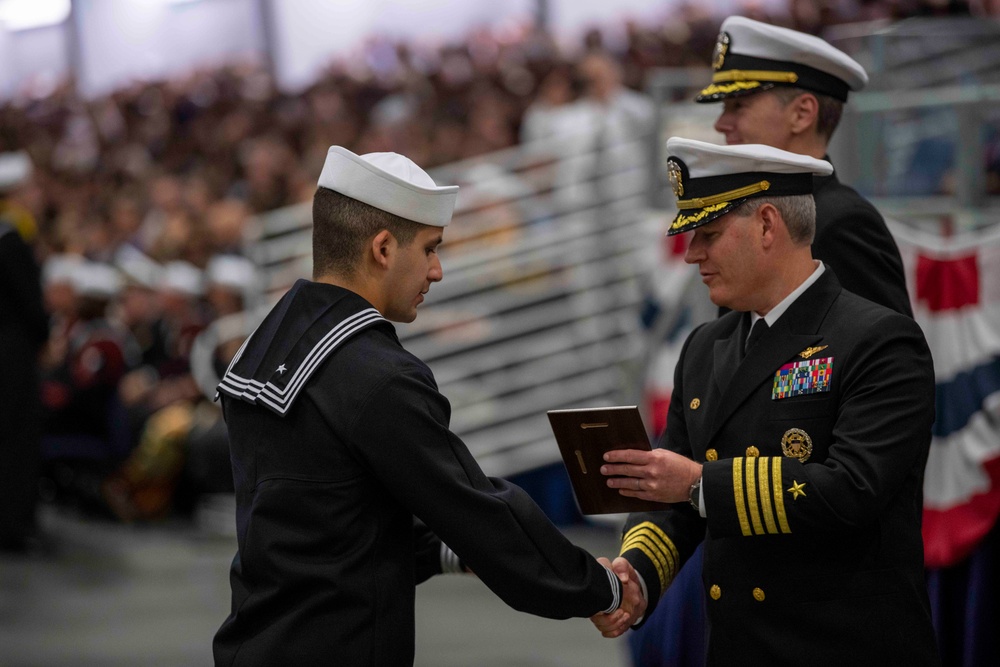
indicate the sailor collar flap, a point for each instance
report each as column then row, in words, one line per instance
column 303, row 329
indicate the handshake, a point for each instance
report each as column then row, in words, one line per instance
column 633, row 606
column 659, row 475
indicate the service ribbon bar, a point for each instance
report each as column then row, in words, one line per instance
column 803, row 377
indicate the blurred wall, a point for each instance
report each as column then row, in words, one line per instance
column 108, row 43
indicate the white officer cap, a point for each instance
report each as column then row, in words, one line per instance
column 710, row 180
column 182, row 277
column 390, row 182
column 751, row 56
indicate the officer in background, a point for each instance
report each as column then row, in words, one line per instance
column 797, row 434
column 24, row 329
column 787, row 89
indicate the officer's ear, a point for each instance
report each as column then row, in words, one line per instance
column 772, row 224
column 382, row 248
column 803, row 113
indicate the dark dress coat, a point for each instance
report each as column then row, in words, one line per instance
column 853, row 240
column 812, row 488
column 339, row 438
column 24, row 328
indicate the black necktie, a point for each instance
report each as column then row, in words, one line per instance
column 756, row 331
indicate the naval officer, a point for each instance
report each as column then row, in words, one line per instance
column 796, row 439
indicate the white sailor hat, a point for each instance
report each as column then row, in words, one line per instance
column 711, row 180
column 138, row 268
column 15, row 167
column 751, row 56
column 96, row 280
column 233, row 272
column 60, row 269
column 183, row 278
column 390, row 182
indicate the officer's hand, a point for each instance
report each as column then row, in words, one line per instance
column 660, row 475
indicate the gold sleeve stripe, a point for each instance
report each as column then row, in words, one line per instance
column 779, row 499
column 764, row 488
column 664, row 577
column 751, row 466
column 649, row 539
column 741, row 506
column 666, row 567
column 651, row 534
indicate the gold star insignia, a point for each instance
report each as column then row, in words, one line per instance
column 797, row 489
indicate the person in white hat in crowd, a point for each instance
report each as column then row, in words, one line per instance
column 139, row 307
column 24, row 328
column 185, row 312
column 164, row 377
column 349, row 483
column 797, row 434
column 231, row 284
column 83, row 431
column 787, row 89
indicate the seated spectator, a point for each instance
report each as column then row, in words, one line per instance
column 87, row 357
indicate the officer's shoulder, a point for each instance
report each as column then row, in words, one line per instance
column 377, row 352
column 864, row 314
column 838, row 201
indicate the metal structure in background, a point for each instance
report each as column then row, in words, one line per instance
column 918, row 140
column 544, row 264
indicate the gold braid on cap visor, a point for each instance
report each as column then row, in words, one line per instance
column 736, row 80
column 754, row 75
column 703, row 202
column 714, row 203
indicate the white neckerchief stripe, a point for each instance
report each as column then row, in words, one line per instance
column 368, row 313
column 316, row 357
column 254, row 390
column 280, row 399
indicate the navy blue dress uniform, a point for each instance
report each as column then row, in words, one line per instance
column 349, row 484
column 851, row 235
column 814, row 442
column 853, row 239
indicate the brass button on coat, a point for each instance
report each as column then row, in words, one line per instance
column 711, row 455
column 758, row 595
column 715, row 592
column 753, row 451
column 695, row 403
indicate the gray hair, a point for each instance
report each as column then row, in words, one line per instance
column 798, row 212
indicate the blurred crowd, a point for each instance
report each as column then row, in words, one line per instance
column 136, row 204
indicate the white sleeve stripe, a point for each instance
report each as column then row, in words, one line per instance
column 616, row 590
column 450, row 562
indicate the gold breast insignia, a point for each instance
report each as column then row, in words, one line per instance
column 796, row 444
column 810, row 351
